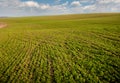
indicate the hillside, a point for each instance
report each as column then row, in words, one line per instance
column 62, row 49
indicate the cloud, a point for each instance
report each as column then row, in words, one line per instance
column 59, row 8
column 29, row 4
column 97, row 6
column 108, row 1
column 33, row 4
column 57, row 0
column 45, row 6
column 89, row 7
column 108, row 5
column 87, row 1
column 33, row 7
column 9, row 3
column 75, row 3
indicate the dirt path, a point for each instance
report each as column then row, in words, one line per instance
column 3, row 25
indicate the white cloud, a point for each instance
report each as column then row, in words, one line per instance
column 108, row 5
column 29, row 4
column 108, row 1
column 89, row 7
column 117, row 1
column 32, row 7
column 45, row 6
column 9, row 3
column 87, row 1
column 57, row 0
column 97, row 6
column 59, row 7
column 75, row 3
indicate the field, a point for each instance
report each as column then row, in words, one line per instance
column 81, row 48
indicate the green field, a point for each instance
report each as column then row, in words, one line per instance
column 81, row 48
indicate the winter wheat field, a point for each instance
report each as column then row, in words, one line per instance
column 81, row 48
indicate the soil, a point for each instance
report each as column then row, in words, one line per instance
column 3, row 25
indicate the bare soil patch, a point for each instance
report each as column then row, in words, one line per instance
column 3, row 25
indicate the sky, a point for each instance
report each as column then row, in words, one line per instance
column 56, row 7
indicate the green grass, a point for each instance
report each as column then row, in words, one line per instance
column 62, row 49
